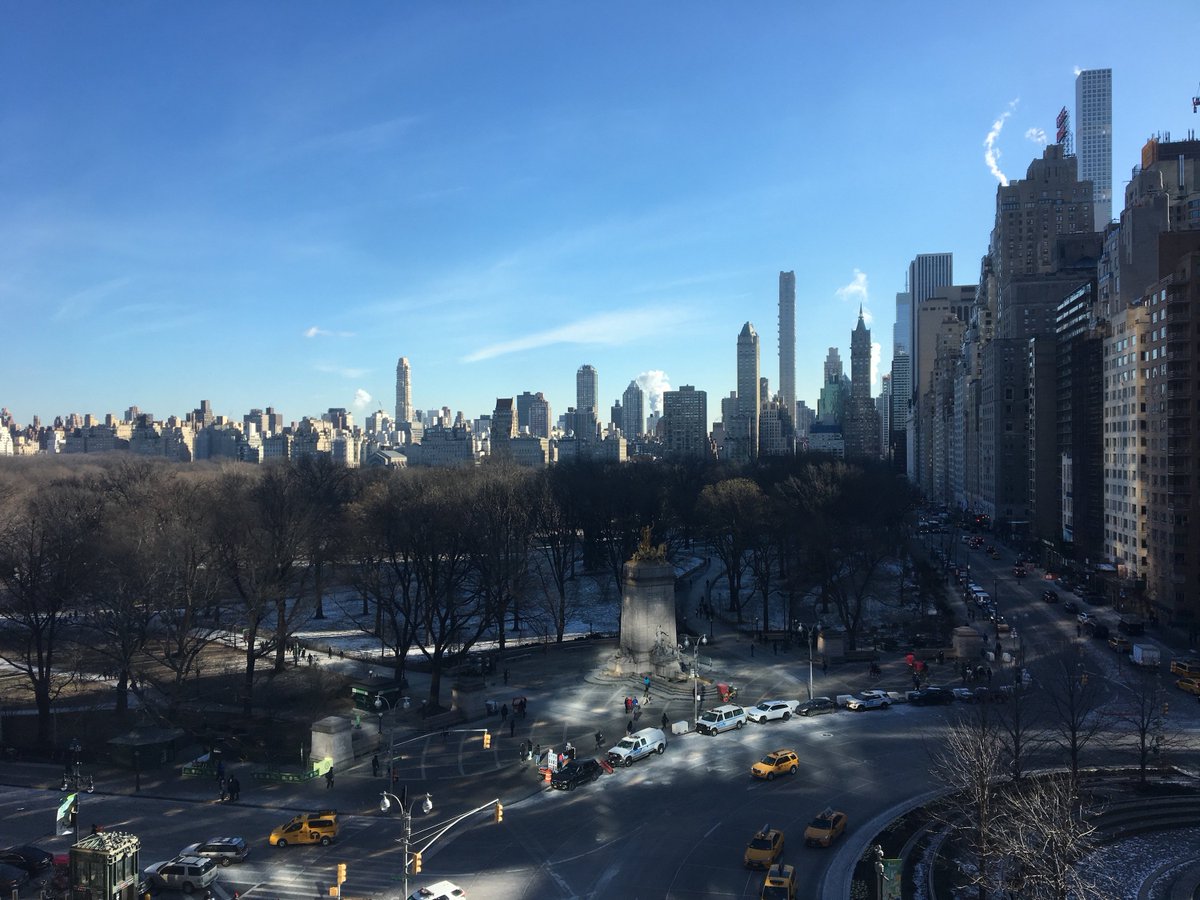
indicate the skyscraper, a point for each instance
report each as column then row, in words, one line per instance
column 787, row 340
column 403, row 391
column 861, row 422
column 926, row 273
column 748, row 399
column 587, row 394
column 1093, row 139
column 685, row 421
column 633, row 411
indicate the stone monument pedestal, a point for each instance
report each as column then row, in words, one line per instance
column 648, row 639
column 332, row 738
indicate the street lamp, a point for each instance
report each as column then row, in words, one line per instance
column 386, row 799
column 695, row 648
column 73, row 778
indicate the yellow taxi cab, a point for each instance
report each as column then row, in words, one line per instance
column 780, row 883
column 764, row 848
column 825, row 828
column 307, row 828
column 1189, row 685
column 1119, row 643
column 777, row 762
column 1188, row 667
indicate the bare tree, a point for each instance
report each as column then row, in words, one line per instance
column 329, row 487
column 1045, row 835
column 46, row 555
column 261, row 540
column 1143, row 710
column 730, row 511
column 380, row 543
column 970, row 761
column 498, row 521
column 1073, row 699
column 555, row 541
column 1022, row 724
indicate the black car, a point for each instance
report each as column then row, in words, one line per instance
column 816, row 706
column 573, row 774
column 33, row 860
column 932, row 696
column 1050, row 596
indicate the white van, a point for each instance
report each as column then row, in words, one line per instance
column 639, row 744
column 721, row 718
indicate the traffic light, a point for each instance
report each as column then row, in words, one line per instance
column 341, row 876
column 487, row 740
column 499, row 812
column 416, row 863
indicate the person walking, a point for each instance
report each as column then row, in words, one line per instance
column 628, row 705
column 235, row 789
column 223, row 787
column 600, row 734
column 503, row 713
column 506, row 676
column 665, row 721
column 512, row 726
column 629, row 727
column 375, row 765
column 329, row 779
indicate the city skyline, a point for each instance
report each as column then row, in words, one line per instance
column 276, row 224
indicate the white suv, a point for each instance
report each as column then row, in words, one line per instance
column 185, row 873
column 721, row 718
column 772, row 709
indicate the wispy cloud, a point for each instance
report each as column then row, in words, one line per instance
column 857, row 290
column 361, row 399
column 344, row 371
column 81, row 303
column 991, row 153
column 1037, row 135
column 314, row 331
column 618, row 327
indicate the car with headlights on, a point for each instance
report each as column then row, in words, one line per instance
column 779, row 883
column 764, row 848
column 772, row 710
column 825, row 828
column 777, row 762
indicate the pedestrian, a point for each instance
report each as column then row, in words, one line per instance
column 1078, row 629
column 665, row 721
column 524, row 705
column 329, row 779
column 570, row 751
column 506, row 676
column 224, row 789
column 512, row 726
column 235, row 789
column 220, row 770
column 989, row 674
column 375, row 765
column 646, row 683
column 636, row 706
column 752, row 649
column 629, row 727
column 824, row 666
column 504, row 713
column 628, row 706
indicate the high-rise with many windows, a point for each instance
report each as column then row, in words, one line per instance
column 1093, row 139
column 403, row 391
column 685, row 422
column 748, row 397
column 633, row 411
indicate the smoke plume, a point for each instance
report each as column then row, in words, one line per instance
column 653, row 382
column 361, row 399
column 991, row 153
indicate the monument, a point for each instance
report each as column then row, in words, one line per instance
column 648, row 641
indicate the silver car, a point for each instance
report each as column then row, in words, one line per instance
column 224, row 850
column 183, row 873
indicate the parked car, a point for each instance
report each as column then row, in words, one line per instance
column 721, row 718
column 764, row 848
column 223, row 850
column 635, row 746
column 575, row 773
column 183, row 873
column 1120, row 644
column 860, row 703
column 825, row 828
column 932, row 696
column 33, row 860
column 769, row 710
column 1050, row 596
column 777, row 762
column 816, row 706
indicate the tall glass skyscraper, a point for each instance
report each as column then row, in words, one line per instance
column 748, row 398
column 1093, row 139
column 403, row 391
column 787, row 342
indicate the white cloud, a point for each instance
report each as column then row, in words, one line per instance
column 314, row 331
column 612, row 328
column 856, row 290
column 1078, row 71
column 361, row 399
column 653, row 382
column 1037, row 135
column 991, row 153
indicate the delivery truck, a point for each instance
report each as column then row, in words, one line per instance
column 1145, row 655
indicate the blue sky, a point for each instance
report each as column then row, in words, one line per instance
column 268, row 203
